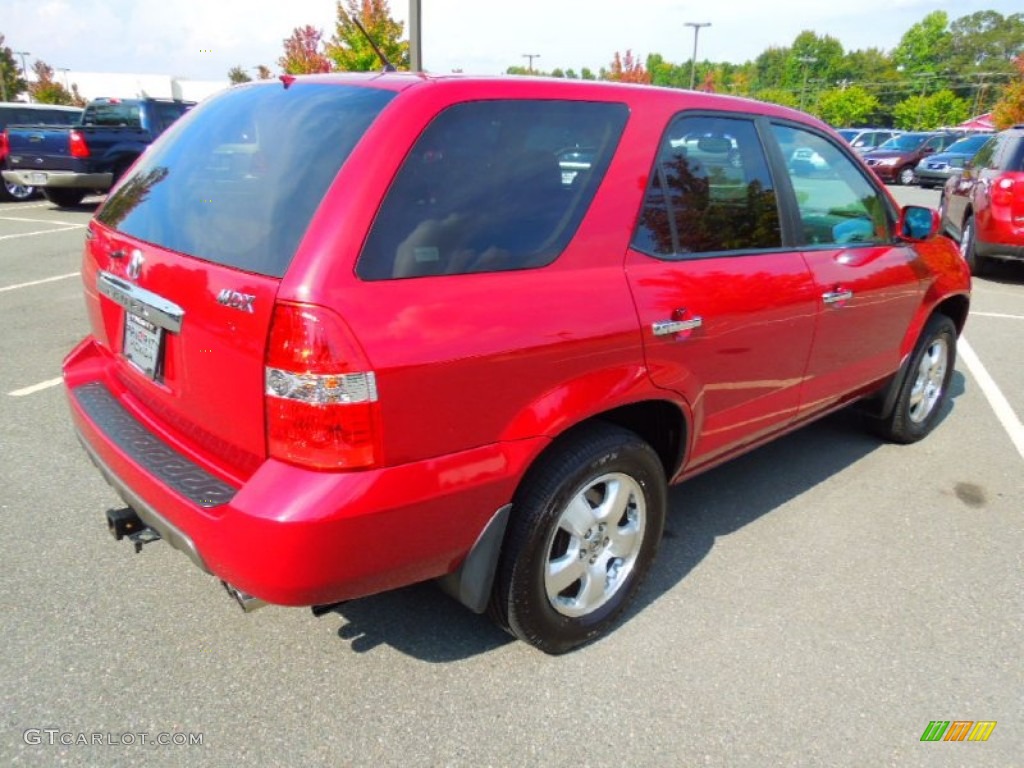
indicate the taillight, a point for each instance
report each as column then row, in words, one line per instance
column 3, row 145
column 321, row 396
column 78, row 146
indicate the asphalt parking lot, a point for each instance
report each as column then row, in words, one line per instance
column 817, row 602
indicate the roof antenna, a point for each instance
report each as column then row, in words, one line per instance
column 388, row 66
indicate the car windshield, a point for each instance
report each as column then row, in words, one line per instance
column 237, row 181
column 905, row 143
column 967, row 146
column 848, row 133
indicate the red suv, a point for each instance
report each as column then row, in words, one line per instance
column 983, row 206
column 354, row 332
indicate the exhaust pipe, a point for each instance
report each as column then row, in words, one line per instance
column 247, row 602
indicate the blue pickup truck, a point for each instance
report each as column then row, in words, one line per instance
column 67, row 163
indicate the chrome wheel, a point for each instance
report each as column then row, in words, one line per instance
column 906, row 176
column 967, row 240
column 931, row 377
column 595, row 544
column 18, row 192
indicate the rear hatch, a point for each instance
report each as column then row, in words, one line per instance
column 39, row 148
column 184, row 259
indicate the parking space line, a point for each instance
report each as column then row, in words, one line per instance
column 996, row 398
column 37, row 282
column 997, row 314
column 42, row 221
column 36, row 387
column 64, row 228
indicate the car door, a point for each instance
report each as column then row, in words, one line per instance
column 868, row 284
column 726, row 312
column 958, row 191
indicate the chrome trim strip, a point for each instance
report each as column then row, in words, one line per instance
column 155, row 308
column 669, row 327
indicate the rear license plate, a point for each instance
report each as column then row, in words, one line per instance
column 142, row 344
column 36, row 178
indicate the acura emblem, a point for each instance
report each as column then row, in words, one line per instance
column 135, row 264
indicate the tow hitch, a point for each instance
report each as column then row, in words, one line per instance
column 124, row 523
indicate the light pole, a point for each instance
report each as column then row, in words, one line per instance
column 805, row 60
column 24, row 71
column 65, row 70
column 531, row 57
column 415, row 37
column 696, row 31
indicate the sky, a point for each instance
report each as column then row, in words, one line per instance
column 202, row 39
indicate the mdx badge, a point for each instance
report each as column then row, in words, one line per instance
column 135, row 264
column 236, row 300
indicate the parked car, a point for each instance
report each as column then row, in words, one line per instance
column 37, row 116
column 894, row 161
column 982, row 205
column 68, row 163
column 866, row 139
column 933, row 170
column 350, row 332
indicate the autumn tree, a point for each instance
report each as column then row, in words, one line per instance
column 46, row 90
column 263, row 72
column 11, row 82
column 303, row 52
column 627, row 69
column 349, row 50
column 1009, row 110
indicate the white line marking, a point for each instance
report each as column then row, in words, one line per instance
column 994, row 395
column 36, row 387
column 997, row 314
column 66, row 228
column 42, row 221
column 38, row 282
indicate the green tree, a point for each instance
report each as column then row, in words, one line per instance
column 350, row 51
column 847, row 106
column 986, row 40
column 778, row 96
column 11, row 82
column 926, row 113
column 46, row 90
column 927, row 47
column 587, row 74
column 238, row 75
column 303, row 54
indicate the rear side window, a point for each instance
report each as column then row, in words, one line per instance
column 492, row 186
column 128, row 115
column 162, row 114
column 710, row 191
column 238, row 180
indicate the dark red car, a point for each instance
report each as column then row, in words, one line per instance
column 983, row 206
column 351, row 332
column 895, row 160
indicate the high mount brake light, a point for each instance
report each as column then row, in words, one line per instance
column 321, row 397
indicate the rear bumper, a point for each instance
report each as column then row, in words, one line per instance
column 61, row 179
column 288, row 535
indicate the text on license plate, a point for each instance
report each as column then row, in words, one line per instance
column 142, row 341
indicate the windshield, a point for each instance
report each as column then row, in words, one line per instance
column 967, row 146
column 237, row 181
column 848, row 133
column 908, row 142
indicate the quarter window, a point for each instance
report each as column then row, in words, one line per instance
column 710, row 191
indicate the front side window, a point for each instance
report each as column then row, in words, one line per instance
column 837, row 205
column 710, row 191
column 492, row 186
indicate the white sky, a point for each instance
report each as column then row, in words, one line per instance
column 202, row 39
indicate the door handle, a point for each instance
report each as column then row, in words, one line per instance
column 836, row 297
column 671, row 327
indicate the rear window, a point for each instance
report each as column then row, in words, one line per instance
column 238, row 180
column 128, row 115
column 31, row 115
column 492, row 186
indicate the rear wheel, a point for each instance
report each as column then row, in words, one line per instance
column 969, row 246
column 926, row 388
column 906, row 176
column 63, row 197
column 15, row 193
column 585, row 527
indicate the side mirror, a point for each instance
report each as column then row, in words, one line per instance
column 918, row 223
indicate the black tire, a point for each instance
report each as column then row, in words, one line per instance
column 925, row 390
column 15, row 193
column 969, row 247
column 557, row 513
column 906, row 175
column 65, row 198
column 926, row 185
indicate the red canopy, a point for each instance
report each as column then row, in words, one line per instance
column 979, row 123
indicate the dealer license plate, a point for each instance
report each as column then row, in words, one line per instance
column 36, row 178
column 142, row 344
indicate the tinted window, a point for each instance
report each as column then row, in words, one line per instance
column 710, row 191
column 492, row 185
column 162, row 114
column 113, row 114
column 238, row 180
column 968, row 145
column 836, row 203
column 28, row 115
column 983, row 159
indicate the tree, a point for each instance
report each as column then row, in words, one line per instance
column 986, row 40
column 927, row 47
column 627, row 69
column 302, row 52
column 847, row 106
column 263, row 72
column 11, row 82
column 1009, row 110
column 46, row 90
column 349, row 50
column 238, row 75
column 778, row 96
column 926, row 113
column 587, row 74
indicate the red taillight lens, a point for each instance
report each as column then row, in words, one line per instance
column 321, row 396
column 3, row 145
column 78, row 146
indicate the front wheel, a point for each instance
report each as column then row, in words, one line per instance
column 65, row 198
column 969, row 247
column 586, row 524
column 906, row 176
column 925, row 390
